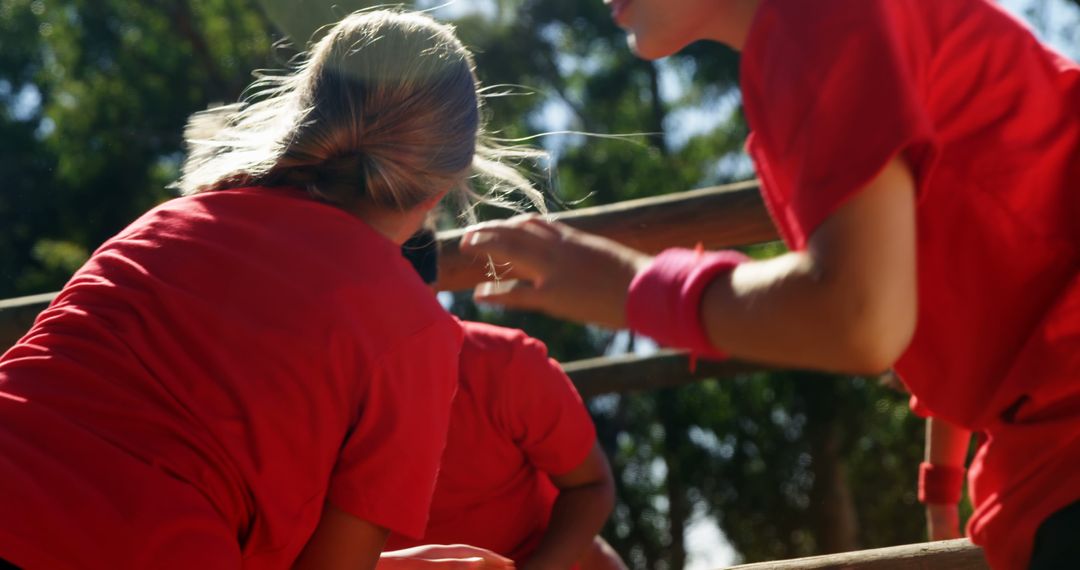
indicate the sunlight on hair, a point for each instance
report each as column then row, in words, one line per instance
column 384, row 107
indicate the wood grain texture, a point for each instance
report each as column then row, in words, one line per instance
column 719, row 216
column 17, row 314
column 664, row 369
column 944, row 555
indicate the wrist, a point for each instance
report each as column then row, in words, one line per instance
column 664, row 299
column 940, row 484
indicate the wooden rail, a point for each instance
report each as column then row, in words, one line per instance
column 944, row 555
column 631, row 373
column 16, row 316
column 719, row 216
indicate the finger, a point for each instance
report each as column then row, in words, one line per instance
column 543, row 226
column 523, row 246
column 511, row 293
column 470, row 563
column 527, row 222
column 468, row 550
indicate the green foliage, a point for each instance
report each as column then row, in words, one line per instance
column 56, row 261
column 115, row 82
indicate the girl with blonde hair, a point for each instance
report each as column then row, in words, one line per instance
column 234, row 375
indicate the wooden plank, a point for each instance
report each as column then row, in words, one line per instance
column 632, row 373
column 719, row 216
column 592, row 376
column 947, row 554
column 17, row 314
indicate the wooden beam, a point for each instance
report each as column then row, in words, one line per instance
column 16, row 316
column 944, row 555
column 632, row 373
column 720, row 216
column 592, row 376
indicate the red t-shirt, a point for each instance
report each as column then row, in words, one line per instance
column 213, row 375
column 989, row 121
column 516, row 418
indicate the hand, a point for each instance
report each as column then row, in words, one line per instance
column 943, row 522
column 560, row 271
column 443, row 557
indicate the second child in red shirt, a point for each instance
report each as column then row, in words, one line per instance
column 522, row 475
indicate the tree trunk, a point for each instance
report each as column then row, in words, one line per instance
column 675, row 439
column 657, row 111
column 832, row 508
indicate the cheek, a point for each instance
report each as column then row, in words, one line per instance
column 658, row 29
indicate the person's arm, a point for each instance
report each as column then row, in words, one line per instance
column 601, row 556
column 586, row 497
column 941, row 477
column 846, row 303
column 342, row 541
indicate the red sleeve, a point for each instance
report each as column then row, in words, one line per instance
column 832, row 92
column 387, row 468
column 919, row 408
column 542, row 411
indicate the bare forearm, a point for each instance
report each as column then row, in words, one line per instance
column 785, row 311
column 576, row 517
column 846, row 303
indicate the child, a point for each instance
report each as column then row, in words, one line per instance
column 234, row 376
column 522, row 474
column 872, row 118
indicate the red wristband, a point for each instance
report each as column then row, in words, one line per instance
column 664, row 300
column 940, row 484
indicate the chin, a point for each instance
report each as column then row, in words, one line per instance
column 647, row 50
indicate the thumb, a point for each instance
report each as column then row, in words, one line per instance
column 469, row 551
column 470, row 563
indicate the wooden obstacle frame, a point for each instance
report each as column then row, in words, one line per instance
column 716, row 217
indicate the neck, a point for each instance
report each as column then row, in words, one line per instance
column 731, row 25
column 396, row 225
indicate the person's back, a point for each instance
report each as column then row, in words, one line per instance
column 197, row 341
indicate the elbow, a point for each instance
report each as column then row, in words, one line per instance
column 606, row 493
column 875, row 341
column 604, row 490
column 872, row 355
column 873, row 329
